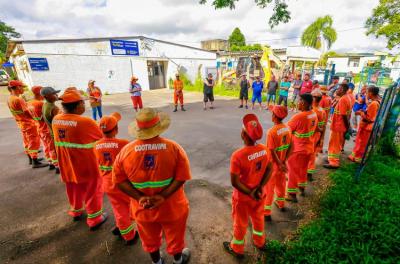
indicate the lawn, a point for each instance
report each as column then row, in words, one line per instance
column 358, row 223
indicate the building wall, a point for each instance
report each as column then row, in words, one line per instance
column 74, row 63
column 342, row 63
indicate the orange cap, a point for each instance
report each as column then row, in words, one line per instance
column 280, row 111
column 15, row 83
column 252, row 127
column 323, row 88
column 71, row 95
column 108, row 123
column 36, row 90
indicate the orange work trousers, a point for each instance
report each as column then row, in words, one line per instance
column 335, row 147
column 241, row 212
column 361, row 143
column 276, row 185
column 151, row 234
column 317, row 149
column 30, row 138
column 297, row 171
column 89, row 196
column 178, row 97
column 137, row 102
column 120, row 203
column 48, row 145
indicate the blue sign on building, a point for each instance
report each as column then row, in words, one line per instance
column 124, row 47
column 39, row 64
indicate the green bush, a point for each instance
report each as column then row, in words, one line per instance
column 358, row 223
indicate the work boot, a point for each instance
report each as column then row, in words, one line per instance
column 302, row 192
column 246, row 107
column 291, row 198
column 133, row 240
column 77, row 218
column 30, row 160
column 57, row 170
column 115, row 231
column 240, row 106
column 268, row 218
column 37, row 164
column 227, row 247
column 52, row 167
column 176, row 109
column 183, row 109
column 185, row 256
column 309, row 177
column 329, row 166
column 104, row 219
column 263, row 248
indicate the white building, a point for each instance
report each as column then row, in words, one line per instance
column 61, row 63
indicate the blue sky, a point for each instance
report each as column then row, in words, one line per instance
column 187, row 22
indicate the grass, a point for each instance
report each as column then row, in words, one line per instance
column 358, row 223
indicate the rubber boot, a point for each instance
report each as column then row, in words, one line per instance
column 176, row 109
column 309, row 177
column 57, row 170
column 30, row 160
column 37, row 164
column 52, row 167
column 182, row 108
column 302, row 191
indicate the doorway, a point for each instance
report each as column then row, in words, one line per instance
column 156, row 72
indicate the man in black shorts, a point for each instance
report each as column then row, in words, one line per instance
column 244, row 91
column 208, row 91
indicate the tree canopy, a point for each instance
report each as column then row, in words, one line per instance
column 385, row 21
column 254, row 47
column 6, row 32
column 237, row 38
column 280, row 9
column 319, row 34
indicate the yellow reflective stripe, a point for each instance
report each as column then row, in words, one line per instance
column 37, row 118
column 95, row 214
column 105, row 168
column 74, row 145
column 152, row 184
column 237, row 242
column 16, row 112
column 77, row 210
column 258, row 233
column 304, row 135
column 267, row 207
column 127, row 230
column 283, row 147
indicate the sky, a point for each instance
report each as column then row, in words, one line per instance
column 187, row 22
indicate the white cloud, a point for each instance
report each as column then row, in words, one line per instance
column 186, row 21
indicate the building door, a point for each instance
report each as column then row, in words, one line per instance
column 156, row 71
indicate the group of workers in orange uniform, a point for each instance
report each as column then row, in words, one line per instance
column 144, row 179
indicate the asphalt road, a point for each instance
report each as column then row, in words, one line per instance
column 34, row 226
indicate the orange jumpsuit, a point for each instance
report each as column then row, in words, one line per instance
column 338, row 130
column 279, row 138
column 106, row 150
column 303, row 127
column 74, row 138
column 178, row 92
column 317, row 137
column 31, row 139
column 364, row 131
column 35, row 107
column 151, row 165
column 250, row 163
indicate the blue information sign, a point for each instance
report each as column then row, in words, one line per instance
column 124, row 47
column 39, row 64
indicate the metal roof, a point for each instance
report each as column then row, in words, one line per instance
column 12, row 42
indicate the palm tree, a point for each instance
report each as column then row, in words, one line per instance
column 320, row 34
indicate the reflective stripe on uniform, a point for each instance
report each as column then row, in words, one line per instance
column 283, row 147
column 37, row 118
column 311, row 171
column 258, row 233
column 292, row 190
column 237, row 242
column 267, row 207
column 16, row 112
column 331, row 155
column 77, row 210
column 95, row 214
column 302, row 184
column 321, row 123
column 304, row 135
column 74, row 145
column 152, row 184
column 127, row 230
column 32, row 150
column 280, row 198
column 105, row 168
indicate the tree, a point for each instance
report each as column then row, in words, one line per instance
column 237, row 38
column 320, row 34
column 280, row 9
column 6, row 32
column 324, row 57
column 385, row 21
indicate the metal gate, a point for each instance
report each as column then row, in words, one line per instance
column 156, row 72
